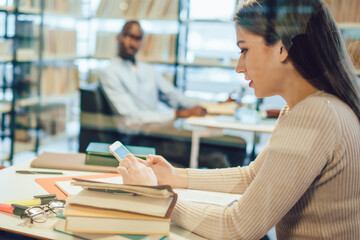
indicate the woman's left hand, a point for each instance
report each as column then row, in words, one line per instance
column 135, row 173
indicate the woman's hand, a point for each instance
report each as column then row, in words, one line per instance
column 135, row 172
column 166, row 174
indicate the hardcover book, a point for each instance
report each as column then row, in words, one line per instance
column 98, row 220
column 127, row 202
column 98, row 154
column 60, row 227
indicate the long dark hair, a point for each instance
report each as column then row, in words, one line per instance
column 312, row 39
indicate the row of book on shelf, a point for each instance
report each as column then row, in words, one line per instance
column 139, row 9
column 58, row 42
column 353, row 47
column 69, row 7
column 156, row 47
column 344, row 10
column 52, row 122
column 55, row 81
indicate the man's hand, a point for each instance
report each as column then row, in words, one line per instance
column 196, row 111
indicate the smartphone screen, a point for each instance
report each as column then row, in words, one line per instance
column 118, row 150
column 121, row 151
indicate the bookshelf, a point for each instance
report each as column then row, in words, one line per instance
column 159, row 19
column 189, row 50
column 40, row 80
column 20, row 47
column 346, row 14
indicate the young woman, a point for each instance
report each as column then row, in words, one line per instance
column 306, row 180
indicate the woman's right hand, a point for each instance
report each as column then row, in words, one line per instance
column 165, row 173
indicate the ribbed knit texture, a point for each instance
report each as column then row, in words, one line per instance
column 306, row 181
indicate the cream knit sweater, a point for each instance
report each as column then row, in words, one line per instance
column 306, row 181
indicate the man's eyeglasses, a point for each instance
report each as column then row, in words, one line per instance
column 39, row 214
column 136, row 38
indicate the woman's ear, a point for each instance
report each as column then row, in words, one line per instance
column 283, row 54
column 118, row 37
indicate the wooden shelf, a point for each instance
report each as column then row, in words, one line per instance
column 68, row 57
column 48, row 100
column 207, row 65
column 63, row 15
column 72, row 131
column 7, row 8
column 26, row 10
column 346, row 25
column 27, row 102
column 156, row 61
column 19, row 147
column 5, row 107
column 207, row 21
column 5, row 58
column 140, row 59
column 133, row 18
column 19, row 58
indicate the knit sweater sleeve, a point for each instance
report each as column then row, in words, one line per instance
column 298, row 150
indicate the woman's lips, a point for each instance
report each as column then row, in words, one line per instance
column 250, row 83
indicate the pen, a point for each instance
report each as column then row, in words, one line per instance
column 37, row 172
column 112, row 191
column 35, row 201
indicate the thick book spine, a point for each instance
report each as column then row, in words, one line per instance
column 101, row 160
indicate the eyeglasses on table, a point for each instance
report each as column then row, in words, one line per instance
column 39, row 214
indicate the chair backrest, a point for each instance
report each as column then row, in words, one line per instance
column 97, row 121
column 93, row 100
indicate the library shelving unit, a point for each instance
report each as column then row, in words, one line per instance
column 35, row 88
column 160, row 21
column 195, row 48
column 20, row 50
column 166, row 24
column 60, row 76
column 346, row 14
column 207, row 54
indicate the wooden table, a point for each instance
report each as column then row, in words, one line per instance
column 215, row 126
column 15, row 186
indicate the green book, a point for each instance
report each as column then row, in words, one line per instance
column 98, row 154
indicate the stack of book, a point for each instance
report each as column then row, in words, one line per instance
column 110, row 208
column 98, row 154
column 353, row 48
column 139, row 9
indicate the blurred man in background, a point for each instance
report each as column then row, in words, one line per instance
column 141, row 96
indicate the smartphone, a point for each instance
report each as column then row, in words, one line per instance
column 118, row 150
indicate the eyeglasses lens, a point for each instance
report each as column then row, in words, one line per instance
column 56, row 206
column 36, row 214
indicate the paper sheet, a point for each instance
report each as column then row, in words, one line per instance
column 222, row 199
column 70, row 189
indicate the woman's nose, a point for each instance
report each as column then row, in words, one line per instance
column 240, row 66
